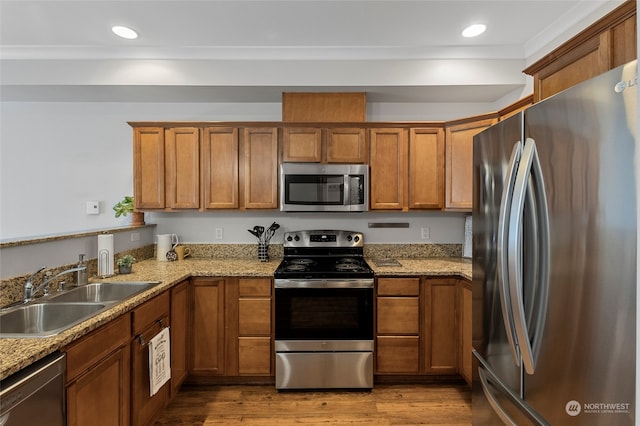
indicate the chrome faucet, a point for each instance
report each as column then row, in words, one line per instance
column 30, row 291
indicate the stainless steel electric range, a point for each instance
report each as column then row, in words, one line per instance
column 324, row 312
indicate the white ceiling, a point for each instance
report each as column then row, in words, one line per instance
column 251, row 51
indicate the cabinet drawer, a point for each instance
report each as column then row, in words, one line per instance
column 248, row 287
column 398, row 286
column 398, row 315
column 398, row 354
column 93, row 347
column 254, row 355
column 254, row 317
column 150, row 312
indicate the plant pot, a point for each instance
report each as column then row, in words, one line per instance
column 124, row 269
column 137, row 218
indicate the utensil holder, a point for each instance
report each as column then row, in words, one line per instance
column 263, row 252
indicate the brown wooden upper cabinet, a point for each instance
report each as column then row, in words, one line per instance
column 166, row 168
column 426, row 168
column 225, row 167
column 459, row 160
column 324, row 145
column 220, row 157
column 260, row 171
column 407, row 167
column 606, row 44
column 388, row 168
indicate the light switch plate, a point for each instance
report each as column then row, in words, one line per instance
column 93, row 207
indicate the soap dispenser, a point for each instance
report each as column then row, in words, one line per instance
column 83, row 276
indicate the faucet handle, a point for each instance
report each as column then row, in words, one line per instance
column 30, row 279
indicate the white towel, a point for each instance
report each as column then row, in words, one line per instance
column 159, row 360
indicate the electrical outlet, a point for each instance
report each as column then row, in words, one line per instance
column 425, row 233
column 219, row 233
column 93, row 207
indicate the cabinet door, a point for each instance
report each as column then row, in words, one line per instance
column 441, row 331
column 144, row 407
column 260, row 168
column 426, row 168
column 180, row 308
column 459, row 158
column 466, row 357
column 182, row 161
column 303, row 144
column 220, row 168
column 388, row 161
column 347, row 146
column 148, row 168
column 101, row 395
column 207, row 348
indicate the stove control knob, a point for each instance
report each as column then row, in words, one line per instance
column 297, row 238
column 356, row 238
column 289, row 238
column 349, row 237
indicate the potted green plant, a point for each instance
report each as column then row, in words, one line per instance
column 125, row 207
column 124, row 263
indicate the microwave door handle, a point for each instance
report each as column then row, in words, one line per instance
column 346, row 197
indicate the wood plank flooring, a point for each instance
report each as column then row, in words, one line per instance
column 433, row 404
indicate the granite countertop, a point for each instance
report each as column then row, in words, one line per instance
column 16, row 354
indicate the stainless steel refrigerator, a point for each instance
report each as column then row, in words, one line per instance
column 554, row 259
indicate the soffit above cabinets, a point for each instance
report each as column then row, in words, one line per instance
column 252, row 51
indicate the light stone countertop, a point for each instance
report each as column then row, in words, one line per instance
column 16, row 354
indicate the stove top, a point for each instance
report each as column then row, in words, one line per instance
column 323, row 254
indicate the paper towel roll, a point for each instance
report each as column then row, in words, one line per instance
column 105, row 255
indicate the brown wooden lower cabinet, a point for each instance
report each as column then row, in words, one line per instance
column 398, row 326
column 417, row 326
column 180, row 308
column 255, row 349
column 441, row 325
column 148, row 320
column 98, row 376
column 208, row 327
column 466, row 345
column 232, row 333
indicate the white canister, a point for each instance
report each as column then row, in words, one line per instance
column 166, row 242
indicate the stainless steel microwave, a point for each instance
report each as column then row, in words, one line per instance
column 310, row 187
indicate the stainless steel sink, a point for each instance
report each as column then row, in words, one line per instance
column 103, row 292
column 45, row 319
column 57, row 312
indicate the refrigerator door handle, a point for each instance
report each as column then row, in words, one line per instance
column 529, row 167
column 488, row 379
column 493, row 401
column 502, row 250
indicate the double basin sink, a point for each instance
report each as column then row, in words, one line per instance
column 58, row 312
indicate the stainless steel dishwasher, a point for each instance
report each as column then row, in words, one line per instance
column 35, row 395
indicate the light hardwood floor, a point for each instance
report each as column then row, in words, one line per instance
column 263, row 405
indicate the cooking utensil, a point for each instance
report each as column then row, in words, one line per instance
column 254, row 233
column 271, row 231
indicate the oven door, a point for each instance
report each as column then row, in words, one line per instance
column 323, row 312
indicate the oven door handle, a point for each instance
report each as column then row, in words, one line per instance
column 324, row 283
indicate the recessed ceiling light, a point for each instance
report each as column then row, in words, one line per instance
column 124, row 32
column 474, row 30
